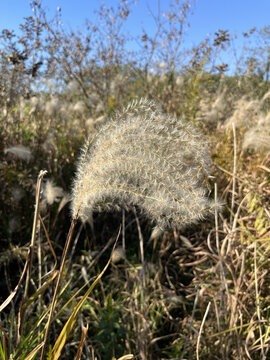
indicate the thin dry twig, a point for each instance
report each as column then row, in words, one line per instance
column 258, row 300
column 234, row 170
column 201, row 329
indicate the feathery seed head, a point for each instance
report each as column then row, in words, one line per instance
column 145, row 158
column 52, row 193
column 52, row 106
column 20, row 151
column 79, row 107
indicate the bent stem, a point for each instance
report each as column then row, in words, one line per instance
column 41, row 174
column 64, row 256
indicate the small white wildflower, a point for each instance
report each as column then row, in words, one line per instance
column 52, row 193
column 20, row 151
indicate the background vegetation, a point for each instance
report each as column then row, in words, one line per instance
column 199, row 293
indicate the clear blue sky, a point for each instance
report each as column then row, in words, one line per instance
column 209, row 15
column 236, row 16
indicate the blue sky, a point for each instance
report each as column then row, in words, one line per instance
column 236, row 16
column 209, row 15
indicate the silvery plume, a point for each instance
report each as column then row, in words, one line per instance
column 145, row 158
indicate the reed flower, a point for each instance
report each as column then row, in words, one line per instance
column 52, row 193
column 142, row 157
column 258, row 136
column 20, row 151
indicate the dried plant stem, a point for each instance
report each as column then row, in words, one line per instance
column 201, row 329
column 123, row 230
column 74, row 246
column 258, row 300
column 143, row 352
column 190, row 324
column 39, row 256
column 41, row 174
column 36, row 226
column 234, row 170
column 141, row 248
column 218, row 248
column 64, row 256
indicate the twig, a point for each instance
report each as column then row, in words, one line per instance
column 201, row 328
column 141, row 247
column 50, row 245
column 218, row 247
column 41, row 174
column 190, row 323
column 74, row 246
column 234, row 170
column 258, row 299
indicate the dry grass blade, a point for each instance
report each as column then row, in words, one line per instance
column 83, row 338
column 34, row 352
column 201, row 329
column 50, row 245
column 258, row 300
column 40, row 290
column 234, row 170
column 14, row 292
column 60, row 342
column 41, row 174
column 64, row 256
column 27, row 266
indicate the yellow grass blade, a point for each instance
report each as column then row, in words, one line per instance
column 83, row 337
column 34, row 352
column 60, row 342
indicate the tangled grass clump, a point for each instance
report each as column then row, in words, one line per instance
column 148, row 159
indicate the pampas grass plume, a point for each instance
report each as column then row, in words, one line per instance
column 142, row 157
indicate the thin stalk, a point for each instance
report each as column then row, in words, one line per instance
column 218, row 247
column 64, row 256
column 41, row 174
column 258, row 299
column 234, row 171
column 201, row 329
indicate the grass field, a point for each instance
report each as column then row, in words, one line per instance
column 171, row 260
